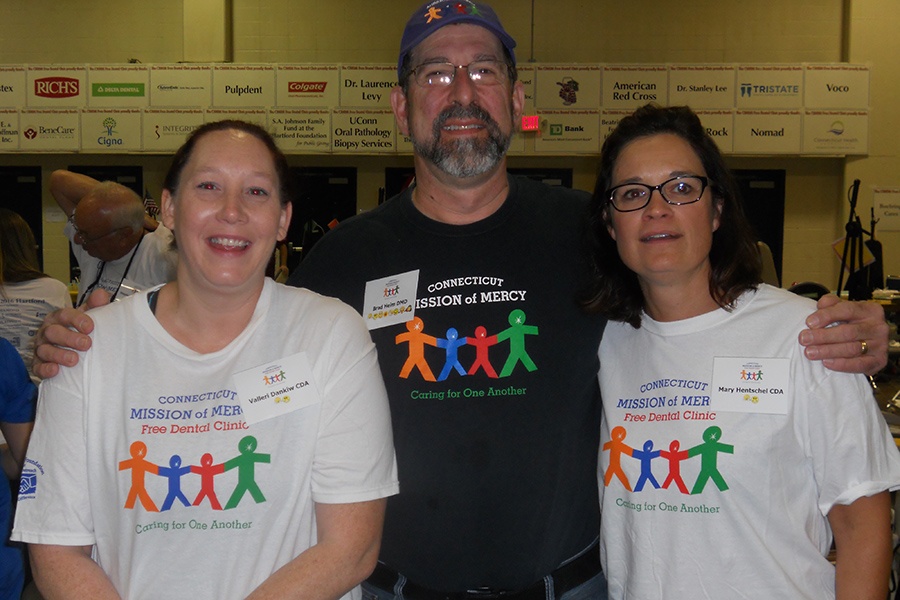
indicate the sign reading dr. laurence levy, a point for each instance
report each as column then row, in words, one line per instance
column 367, row 85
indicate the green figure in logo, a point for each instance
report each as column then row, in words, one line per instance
column 516, row 336
column 246, row 465
column 709, row 452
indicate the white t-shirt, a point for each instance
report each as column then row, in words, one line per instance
column 118, row 454
column 23, row 307
column 703, row 499
column 154, row 263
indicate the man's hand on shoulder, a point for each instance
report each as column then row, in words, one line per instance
column 847, row 336
column 62, row 333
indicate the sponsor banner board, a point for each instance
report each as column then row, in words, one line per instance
column 886, row 202
column 362, row 131
column 118, row 86
column 767, row 131
column 180, row 85
column 49, row 130
column 367, row 86
column 165, row 129
column 702, row 86
column 9, row 129
column 631, row 86
column 837, row 86
column 111, row 130
column 56, row 86
column 301, row 131
column 569, row 132
column 243, row 85
column 307, row 85
column 608, row 121
column 769, row 86
column 12, row 86
column 567, row 87
column 719, row 124
column 835, row 132
column 526, row 74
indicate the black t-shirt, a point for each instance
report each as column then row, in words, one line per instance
column 496, row 448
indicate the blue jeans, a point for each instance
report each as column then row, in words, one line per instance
column 592, row 589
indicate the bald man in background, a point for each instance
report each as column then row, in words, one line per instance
column 117, row 246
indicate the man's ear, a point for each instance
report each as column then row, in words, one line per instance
column 400, row 106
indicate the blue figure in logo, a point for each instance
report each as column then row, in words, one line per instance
column 173, row 473
column 451, row 346
column 646, row 456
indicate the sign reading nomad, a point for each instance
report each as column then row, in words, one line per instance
column 767, row 131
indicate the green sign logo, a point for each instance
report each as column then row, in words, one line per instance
column 118, row 89
column 556, row 129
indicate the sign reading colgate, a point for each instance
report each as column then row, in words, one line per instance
column 307, row 87
column 56, row 87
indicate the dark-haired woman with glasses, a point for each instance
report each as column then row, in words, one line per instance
column 729, row 461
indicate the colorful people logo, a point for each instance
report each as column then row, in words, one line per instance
column 245, row 463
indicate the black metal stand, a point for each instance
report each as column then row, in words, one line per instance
column 857, row 288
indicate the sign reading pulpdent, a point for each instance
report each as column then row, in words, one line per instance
column 244, row 85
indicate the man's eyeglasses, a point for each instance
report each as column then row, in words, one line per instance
column 82, row 239
column 685, row 189
column 441, row 74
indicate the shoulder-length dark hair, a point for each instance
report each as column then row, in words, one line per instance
column 18, row 250
column 183, row 155
column 735, row 264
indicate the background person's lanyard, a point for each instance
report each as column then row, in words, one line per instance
column 91, row 287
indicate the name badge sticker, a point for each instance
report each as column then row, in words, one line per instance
column 751, row 385
column 391, row 300
column 276, row 388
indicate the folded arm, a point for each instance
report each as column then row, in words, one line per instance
column 349, row 537
column 68, row 572
column 862, row 538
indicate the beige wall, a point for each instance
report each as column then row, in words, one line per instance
column 564, row 30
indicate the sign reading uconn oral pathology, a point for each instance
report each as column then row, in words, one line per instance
column 316, row 86
column 767, row 131
column 12, row 86
column 243, row 85
column 367, row 86
column 166, row 129
column 9, row 129
column 835, row 132
column 632, row 86
column 118, row 86
column 701, row 86
column 56, row 86
column 110, row 130
column 301, row 130
column 836, row 86
column 569, row 132
column 180, row 85
column 567, row 86
column 769, row 86
column 362, row 131
column 49, row 130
